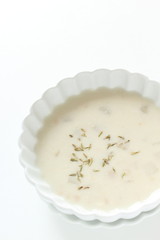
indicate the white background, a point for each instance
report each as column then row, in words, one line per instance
column 41, row 42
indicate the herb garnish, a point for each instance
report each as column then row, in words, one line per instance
column 78, row 148
column 134, row 153
column 106, row 160
column 121, row 137
column 82, row 187
column 111, row 145
column 85, row 155
column 73, row 160
column 89, row 147
column 83, row 133
column 100, row 134
column 108, row 137
column 72, row 174
column 86, row 160
column 123, row 175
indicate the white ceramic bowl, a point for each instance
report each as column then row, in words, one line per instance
column 58, row 95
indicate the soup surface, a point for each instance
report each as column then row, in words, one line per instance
column 101, row 149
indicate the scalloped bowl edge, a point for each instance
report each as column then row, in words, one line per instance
column 118, row 78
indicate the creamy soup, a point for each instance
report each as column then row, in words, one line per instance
column 101, row 149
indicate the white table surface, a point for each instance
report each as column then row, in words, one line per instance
column 41, row 42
